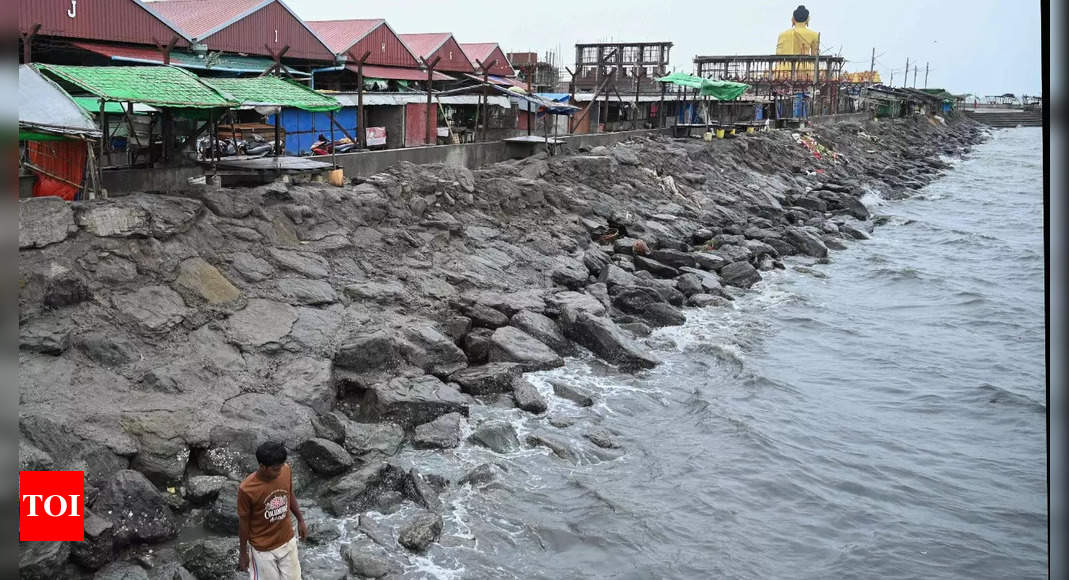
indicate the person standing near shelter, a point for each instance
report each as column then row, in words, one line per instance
column 268, row 548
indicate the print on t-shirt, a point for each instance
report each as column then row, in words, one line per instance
column 276, row 505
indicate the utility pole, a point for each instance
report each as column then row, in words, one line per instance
column 891, row 82
column 914, row 76
column 905, row 79
column 925, row 75
column 872, row 65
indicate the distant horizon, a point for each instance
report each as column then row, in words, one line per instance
column 961, row 58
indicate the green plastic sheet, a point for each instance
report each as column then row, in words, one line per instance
column 160, row 86
column 719, row 90
column 273, row 91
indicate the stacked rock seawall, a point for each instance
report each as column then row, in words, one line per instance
column 163, row 337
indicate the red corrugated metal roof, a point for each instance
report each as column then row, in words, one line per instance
column 424, row 45
column 199, row 18
column 342, row 34
column 486, row 51
column 112, row 20
column 398, row 73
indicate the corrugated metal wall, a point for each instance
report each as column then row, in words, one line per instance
column 453, row 58
column 502, row 67
column 415, row 124
column 113, row 20
column 386, row 49
column 258, row 29
column 304, row 127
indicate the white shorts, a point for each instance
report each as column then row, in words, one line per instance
column 278, row 564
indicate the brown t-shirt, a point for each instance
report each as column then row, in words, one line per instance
column 266, row 506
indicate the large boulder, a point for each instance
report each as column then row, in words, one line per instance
column 210, row 558
column 301, row 291
column 576, row 301
column 121, row 571
column 673, row 258
column 96, row 550
column 574, row 394
column 510, row 344
column 740, row 274
column 307, row 264
column 431, row 350
column 555, row 443
column 369, row 352
column 543, row 329
column 42, row 560
column 570, row 273
column 498, row 436
column 476, row 345
column 202, row 280
column 364, row 438
column 441, row 433
column 140, row 513
column 415, row 401
column 421, row 531
column 162, row 461
column 138, row 216
column 605, row 339
column 654, row 267
column 807, row 242
column 155, row 309
column 371, row 485
column 261, row 322
column 325, row 457
column 222, row 516
column 44, row 221
column 527, row 396
column 616, row 277
column 203, row 489
column 485, row 316
column 495, row 377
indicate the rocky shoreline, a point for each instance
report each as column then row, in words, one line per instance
column 163, row 337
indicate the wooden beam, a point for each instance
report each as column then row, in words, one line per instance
column 486, row 95
column 27, row 43
column 361, row 129
column 166, row 49
column 432, row 112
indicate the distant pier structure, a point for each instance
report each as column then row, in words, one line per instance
column 778, row 76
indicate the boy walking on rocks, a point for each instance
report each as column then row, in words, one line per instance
column 265, row 500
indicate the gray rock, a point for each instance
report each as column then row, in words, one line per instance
column 142, row 215
column 740, row 274
column 487, row 379
column 543, row 329
column 527, row 396
column 234, row 464
column 371, row 485
column 654, row 267
column 423, row 489
column 431, row 350
column 570, row 273
column 250, row 267
column 96, row 550
column 222, row 516
column 162, row 461
column 412, row 402
column 625, row 156
column 364, row 438
column 576, row 301
column 734, row 253
column 456, row 327
column 660, row 314
column 710, row 282
column 703, row 300
column 605, row 339
column 210, row 558
column 616, row 277
column 325, row 457
column 636, row 299
column 484, row 473
column 596, row 260
column 203, row 489
column 330, row 426
column 33, row 459
column 380, row 292
column 307, row 381
column 42, row 560
column 108, row 349
column 45, row 335
column 833, row 243
column 365, row 564
column 477, row 345
column 306, row 264
column 497, row 436
column 689, row 284
column 44, row 221
column 510, row 344
column 558, row 445
column 228, row 203
column 121, row 571
column 709, row 261
column 268, row 417
column 140, row 513
column 485, row 316
column 574, row 394
column 261, row 322
column 624, row 245
column 441, row 433
column 673, row 258
column 421, row 531
column 368, row 352
column 602, row 438
column 637, row 328
column 299, row 291
column 806, row 242
column 154, row 308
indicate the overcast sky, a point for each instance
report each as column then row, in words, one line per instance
column 977, row 46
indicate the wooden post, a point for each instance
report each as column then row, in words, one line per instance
column 27, row 43
column 571, row 97
column 486, row 94
column 660, row 107
column 816, row 77
column 432, row 111
column 361, row 129
column 166, row 49
column 103, row 131
column 278, row 119
column 638, row 86
column 531, row 117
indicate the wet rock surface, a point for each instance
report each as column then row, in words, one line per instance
column 376, row 315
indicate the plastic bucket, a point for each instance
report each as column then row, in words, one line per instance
column 749, row 129
column 708, row 136
column 719, row 133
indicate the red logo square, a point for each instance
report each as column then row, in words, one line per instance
column 51, row 506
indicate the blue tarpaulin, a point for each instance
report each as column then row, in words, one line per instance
column 304, row 127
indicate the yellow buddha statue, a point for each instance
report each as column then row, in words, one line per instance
column 797, row 40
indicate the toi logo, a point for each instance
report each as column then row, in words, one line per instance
column 51, row 506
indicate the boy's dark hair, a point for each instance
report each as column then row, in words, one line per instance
column 271, row 453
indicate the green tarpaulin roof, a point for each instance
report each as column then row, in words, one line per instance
column 161, row 86
column 720, row 90
column 273, row 91
column 92, row 104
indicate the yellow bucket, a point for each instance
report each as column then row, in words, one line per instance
column 708, row 136
column 732, row 131
column 749, row 129
column 719, row 133
column 336, row 177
